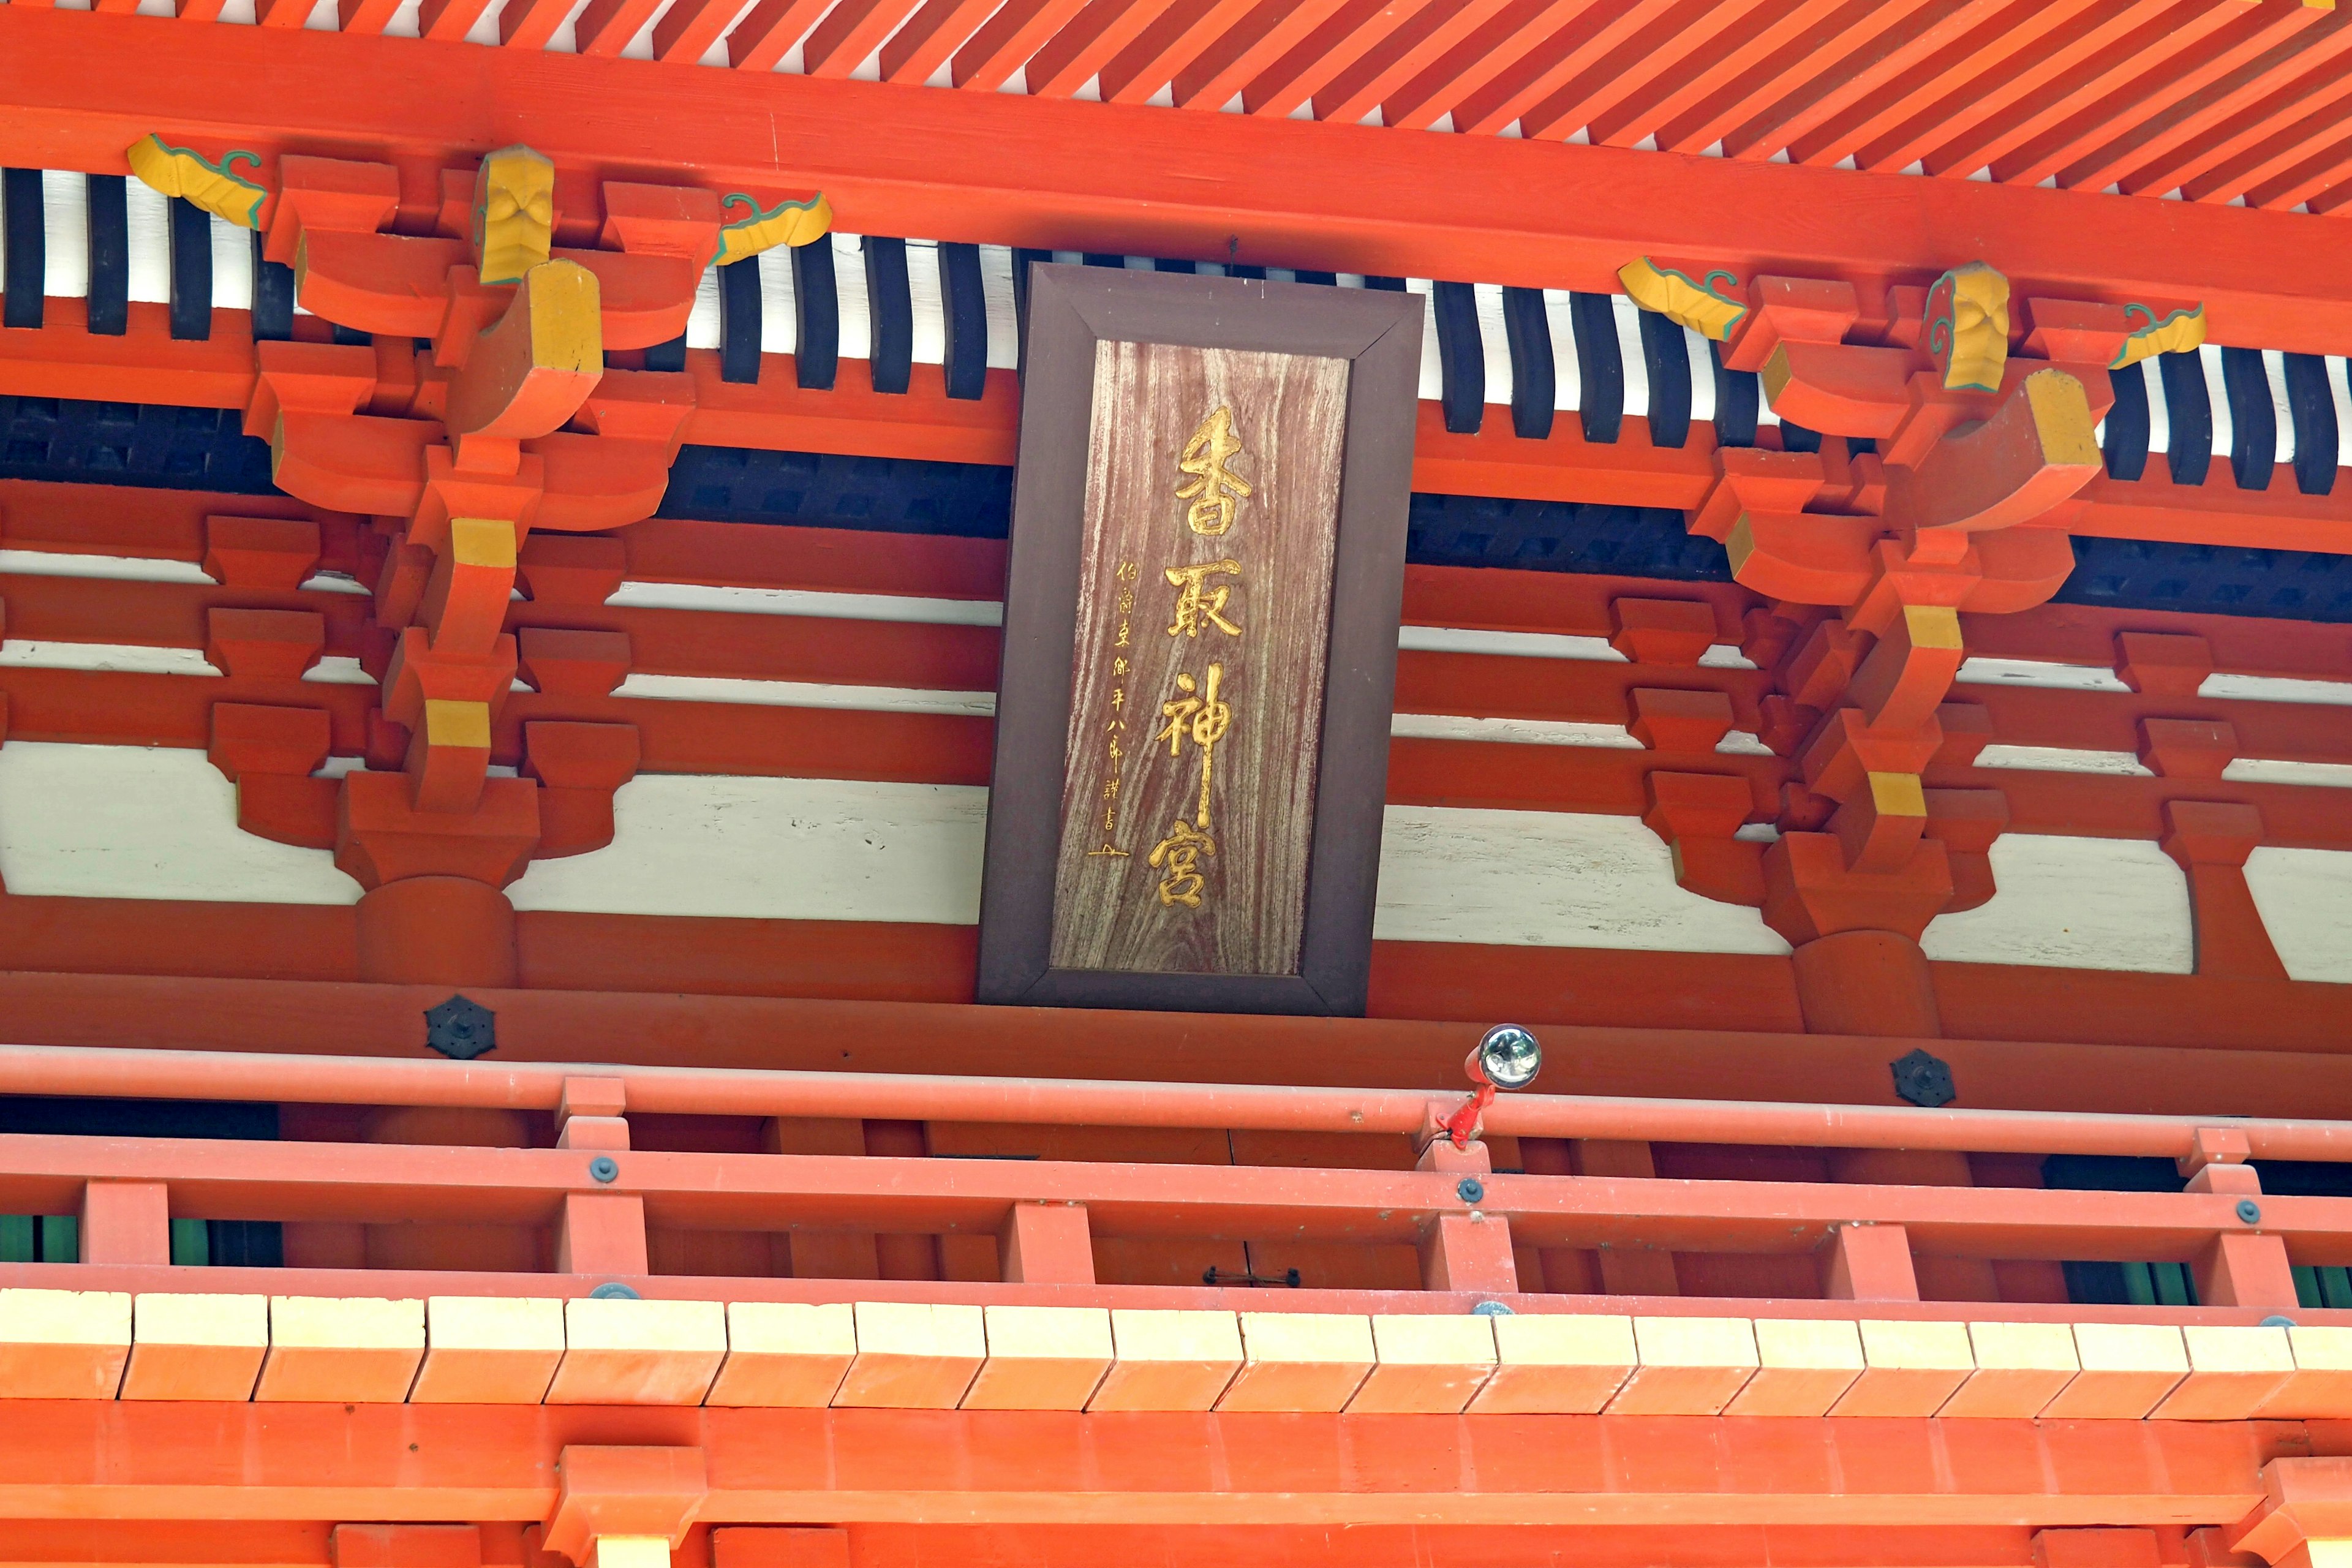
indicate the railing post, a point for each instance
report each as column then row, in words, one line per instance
column 588, row 1116
column 1468, row 1252
column 1047, row 1244
column 600, row 1233
column 126, row 1221
column 2241, row 1267
column 1868, row 1263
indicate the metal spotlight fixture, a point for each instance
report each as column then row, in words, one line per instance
column 1505, row 1057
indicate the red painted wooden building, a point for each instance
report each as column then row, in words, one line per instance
column 504, row 519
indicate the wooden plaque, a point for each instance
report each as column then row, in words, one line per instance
column 1199, row 643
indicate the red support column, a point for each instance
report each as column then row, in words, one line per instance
column 126, row 1221
column 2211, row 840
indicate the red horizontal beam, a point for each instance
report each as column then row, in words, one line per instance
column 1039, row 1101
column 2024, row 1037
column 389, row 1184
column 1074, row 175
column 159, row 1460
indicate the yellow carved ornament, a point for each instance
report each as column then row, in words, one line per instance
column 1968, row 326
column 182, row 171
column 2173, row 334
column 514, row 212
column 794, row 223
column 1699, row 303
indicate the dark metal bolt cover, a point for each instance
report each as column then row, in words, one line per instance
column 1924, row 1081
column 461, row 1028
column 604, row 1168
column 2250, row 1211
column 1470, row 1189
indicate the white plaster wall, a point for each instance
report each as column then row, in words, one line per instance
column 2074, row 904
column 1546, row 878
column 2305, row 900
column 779, row 849
column 128, row 822
column 833, row 849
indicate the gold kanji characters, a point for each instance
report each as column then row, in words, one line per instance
column 1177, row 858
column 1198, row 604
column 1201, row 716
column 1215, row 490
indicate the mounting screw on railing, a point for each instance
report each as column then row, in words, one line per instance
column 1470, row 1189
column 2250, row 1211
column 604, row 1168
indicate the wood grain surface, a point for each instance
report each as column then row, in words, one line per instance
column 1267, row 556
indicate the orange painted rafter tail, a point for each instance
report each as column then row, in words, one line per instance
column 851, row 32
column 2315, row 177
column 931, row 37
column 1008, row 39
column 1777, row 79
column 530, row 24
column 2106, row 158
column 1602, row 101
column 688, row 29
column 605, row 26
column 2156, row 99
column 1360, row 90
column 1330, row 50
column 2313, row 89
column 1314, row 195
column 1971, row 121
column 1231, row 61
column 2276, row 157
column 1475, row 61
column 1166, row 49
column 1901, row 128
column 1096, row 34
column 1662, row 118
column 768, row 31
column 1888, row 50
column 2152, row 55
column 1587, row 38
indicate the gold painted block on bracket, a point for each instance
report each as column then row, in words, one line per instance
column 341, row 1350
column 1690, row 1366
column 1427, row 1363
column 197, row 1347
column 2126, row 1369
column 481, row 1350
column 2021, row 1368
column 1301, row 1360
column 1804, row 1365
column 63, row 1344
column 622, row 1351
column 1169, row 1359
column 1908, row 1368
column 1042, row 1358
column 2233, row 1368
column 1561, row 1364
column 785, row 1353
column 914, row 1355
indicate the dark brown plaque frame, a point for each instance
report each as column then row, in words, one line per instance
column 1070, row 310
